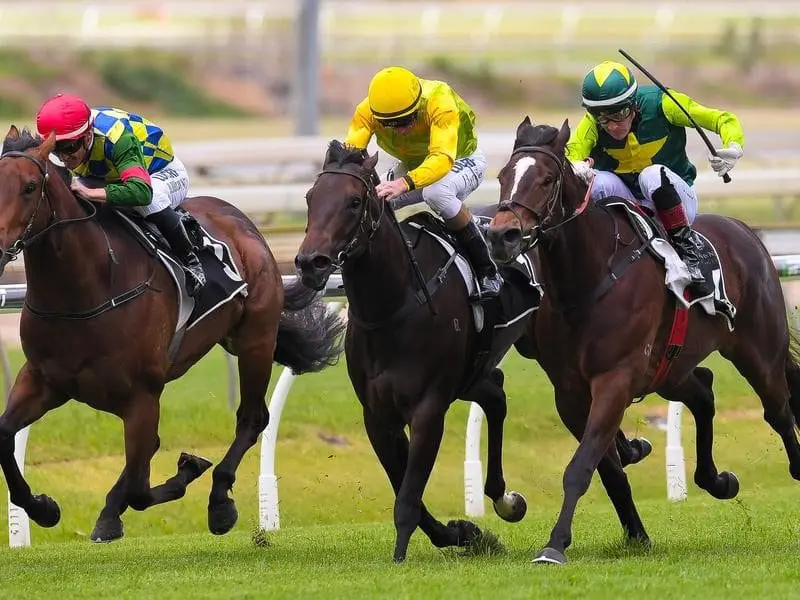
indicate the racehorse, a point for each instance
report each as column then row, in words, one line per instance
column 407, row 364
column 602, row 335
column 99, row 318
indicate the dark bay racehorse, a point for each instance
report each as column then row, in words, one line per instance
column 406, row 364
column 602, row 350
column 111, row 313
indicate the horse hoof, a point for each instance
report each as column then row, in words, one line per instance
column 107, row 530
column 729, row 485
column 511, row 507
column 45, row 511
column 222, row 517
column 196, row 464
column 550, row 556
column 644, row 446
column 466, row 532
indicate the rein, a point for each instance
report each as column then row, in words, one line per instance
column 373, row 228
column 26, row 239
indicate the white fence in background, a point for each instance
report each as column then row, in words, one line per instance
column 12, row 296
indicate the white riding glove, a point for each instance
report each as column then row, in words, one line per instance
column 726, row 158
column 583, row 170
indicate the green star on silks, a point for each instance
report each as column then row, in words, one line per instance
column 634, row 157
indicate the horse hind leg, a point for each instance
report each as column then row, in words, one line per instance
column 252, row 417
column 490, row 396
column 696, row 393
column 776, row 384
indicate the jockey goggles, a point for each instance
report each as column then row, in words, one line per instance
column 399, row 122
column 68, row 147
column 617, row 116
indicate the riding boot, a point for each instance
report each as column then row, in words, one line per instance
column 171, row 227
column 683, row 238
column 489, row 280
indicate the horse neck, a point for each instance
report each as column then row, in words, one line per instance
column 378, row 280
column 69, row 265
column 574, row 257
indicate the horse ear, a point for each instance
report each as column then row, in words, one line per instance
column 563, row 135
column 526, row 122
column 47, row 146
column 370, row 162
column 13, row 133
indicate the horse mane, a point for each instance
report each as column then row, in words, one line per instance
column 535, row 135
column 28, row 140
column 341, row 154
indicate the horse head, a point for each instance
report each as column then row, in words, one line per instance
column 343, row 213
column 23, row 182
column 538, row 190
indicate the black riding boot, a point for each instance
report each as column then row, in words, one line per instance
column 171, row 227
column 489, row 280
column 681, row 235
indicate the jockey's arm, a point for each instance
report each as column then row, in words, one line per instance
column 723, row 123
column 442, row 147
column 582, row 140
column 361, row 129
column 135, row 188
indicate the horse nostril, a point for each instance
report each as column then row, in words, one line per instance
column 512, row 236
column 321, row 262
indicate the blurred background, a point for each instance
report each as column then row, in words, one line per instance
column 252, row 91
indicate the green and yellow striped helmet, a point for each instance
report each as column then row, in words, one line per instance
column 608, row 87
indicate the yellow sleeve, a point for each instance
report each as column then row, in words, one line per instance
column 443, row 144
column 583, row 139
column 361, row 128
column 723, row 123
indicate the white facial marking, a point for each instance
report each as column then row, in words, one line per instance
column 520, row 168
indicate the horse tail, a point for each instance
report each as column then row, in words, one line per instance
column 309, row 338
column 296, row 296
column 793, row 373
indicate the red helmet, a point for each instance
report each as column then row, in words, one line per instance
column 66, row 115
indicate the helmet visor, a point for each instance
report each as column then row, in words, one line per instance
column 613, row 115
column 399, row 122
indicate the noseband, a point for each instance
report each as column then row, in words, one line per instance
column 556, row 198
column 367, row 223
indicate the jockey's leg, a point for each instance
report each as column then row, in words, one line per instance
column 607, row 184
column 676, row 211
column 446, row 198
column 171, row 227
column 170, row 186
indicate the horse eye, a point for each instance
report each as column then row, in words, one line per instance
column 355, row 202
column 548, row 180
column 30, row 188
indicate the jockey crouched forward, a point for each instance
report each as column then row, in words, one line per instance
column 124, row 160
column 636, row 138
column 430, row 130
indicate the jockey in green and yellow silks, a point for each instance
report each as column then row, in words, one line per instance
column 632, row 133
column 123, row 159
column 430, row 129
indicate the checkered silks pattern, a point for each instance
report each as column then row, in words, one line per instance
column 109, row 125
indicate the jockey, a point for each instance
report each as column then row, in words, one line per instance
column 430, row 130
column 126, row 161
column 632, row 133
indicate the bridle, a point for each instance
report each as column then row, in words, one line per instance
column 556, row 199
column 25, row 238
column 368, row 223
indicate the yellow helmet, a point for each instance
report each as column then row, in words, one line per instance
column 394, row 92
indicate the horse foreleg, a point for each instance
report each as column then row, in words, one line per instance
column 390, row 444
column 490, row 396
column 30, row 398
column 610, row 393
column 426, row 429
column 252, row 417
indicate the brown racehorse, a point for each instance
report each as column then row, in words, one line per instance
column 111, row 311
column 408, row 365
column 601, row 350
